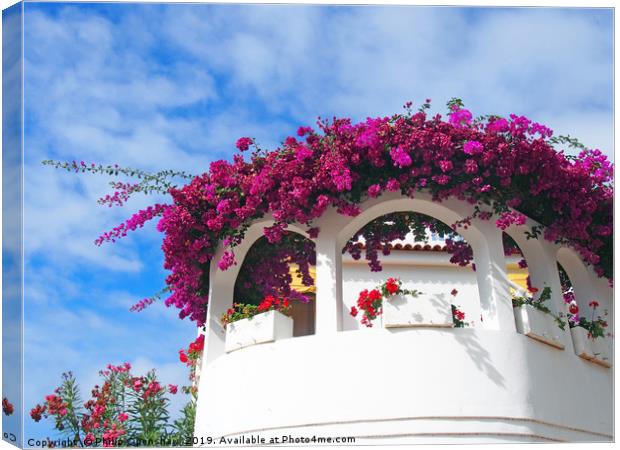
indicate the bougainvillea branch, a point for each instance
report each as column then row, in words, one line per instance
column 136, row 221
column 503, row 166
column 150, row 183
column 501, row 163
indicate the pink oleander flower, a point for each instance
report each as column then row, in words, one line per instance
column 89, row 439
column 137, row 384
column 122, row 417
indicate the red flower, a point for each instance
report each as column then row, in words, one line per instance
column 391, row 286
column 454, row 292
column 37, row 412
column 354, row 311
column 573, row 308
column 137, row 384
column 593, row 304
column 266, row 304
column 197, row 345
column 89, row 439
column 172, row 389
column 374, row 295
column 7, row 407
column 182, row 356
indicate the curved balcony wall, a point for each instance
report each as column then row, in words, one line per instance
column 487, row 383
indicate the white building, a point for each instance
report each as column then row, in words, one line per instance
column 487, row 382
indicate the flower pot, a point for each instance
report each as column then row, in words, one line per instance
column 265, row 327
column 538, row 325
column 423, row 311
column 594, row 350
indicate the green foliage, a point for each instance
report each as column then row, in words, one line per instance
column 539, row 304
column 126, row 411
column 159, row 182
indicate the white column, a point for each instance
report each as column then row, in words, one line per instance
column 543, row 271
column 221, row 286
column 328, row 283
column 493, row 282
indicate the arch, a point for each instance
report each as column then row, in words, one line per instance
column 449, row 212
column 427, row 271
column 222, row 285
column 272, row 269
column 586, row 284
column 518, row 274
column 483, row 236
column 540, row 258
column 252, row 234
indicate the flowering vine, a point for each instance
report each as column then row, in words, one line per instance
column 241, row 311
column 371, row 302
column 507, row 168
column 595, row 326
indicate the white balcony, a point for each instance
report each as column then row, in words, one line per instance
column 485, row 383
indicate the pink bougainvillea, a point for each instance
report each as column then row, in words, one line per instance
column 494, row 163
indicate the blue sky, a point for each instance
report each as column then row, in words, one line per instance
column 173, row 86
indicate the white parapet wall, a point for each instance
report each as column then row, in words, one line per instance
column 407, row 386
column 484, row 383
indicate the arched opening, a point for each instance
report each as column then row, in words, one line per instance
column 578, row 286
column 423, row 252
column 285, row 269
column 517, row 268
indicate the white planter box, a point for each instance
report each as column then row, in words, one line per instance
column 595, row 350
column 422, row 311
column 538, row 325
column 265, row 327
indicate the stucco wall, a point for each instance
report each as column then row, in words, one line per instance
column 406, row 385
column 429, row 272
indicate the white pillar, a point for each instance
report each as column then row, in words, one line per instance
column 221, row 287
column 328, row 283
column 543, row 271
column 493, row 282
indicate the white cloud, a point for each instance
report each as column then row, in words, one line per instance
column 368, row 61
